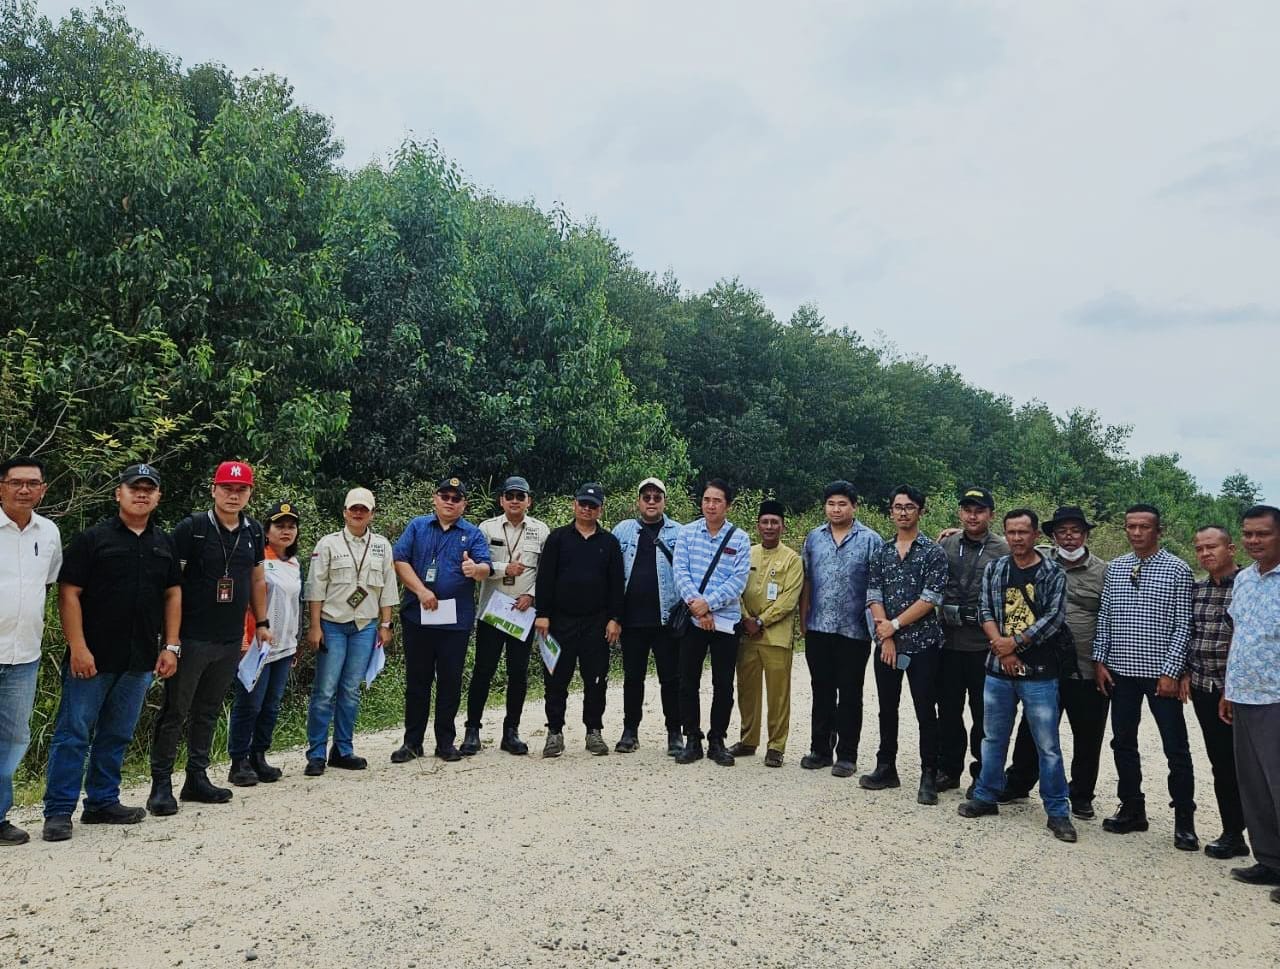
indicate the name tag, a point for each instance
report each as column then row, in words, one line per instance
column 357, row 597
column 226, row 590
column 771, row 591
column 508, row 580
column 430, row 575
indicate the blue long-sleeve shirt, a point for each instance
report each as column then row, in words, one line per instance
column 695, row 548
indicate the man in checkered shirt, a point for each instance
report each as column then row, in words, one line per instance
column 1140, row 650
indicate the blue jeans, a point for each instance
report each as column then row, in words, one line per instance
column 335, row 695
column 1039, row 698
column 254, row 715
column 17, row 696
column 96, row 718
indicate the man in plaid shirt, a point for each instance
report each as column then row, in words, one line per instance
column 1140, row 650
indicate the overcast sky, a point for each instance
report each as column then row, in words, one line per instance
column 1078, row 202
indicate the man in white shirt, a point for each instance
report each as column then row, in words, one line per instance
column 30, row 557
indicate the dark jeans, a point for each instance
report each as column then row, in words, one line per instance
column 1126, row 713
column 636, row 646
column 254, row 714
column 694, row 646
column 582, row 644
column 963, row 673
column 1086, row 711
column 1219, row 744
column 439, row 655
column 193, row 695
column 837, row 669
column 491, row 643
column 922, row 677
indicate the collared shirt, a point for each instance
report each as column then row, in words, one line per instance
column 335, row 574
column 29, row 561
column 837, row 576
column 1084, row 599
column 898, row 583
column 220, row 553
column 1042, row 610
column 1210, row 633
column 1144, row 622
column 966, row 561
column 1253, row 665
column 695, row 548
column 512, row 543
column 123, row 578
column 778, row 570
column 580, row 575
column 425, row 542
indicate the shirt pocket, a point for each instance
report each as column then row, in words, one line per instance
column 376, row 576
column 342, row 569
column 160, row 564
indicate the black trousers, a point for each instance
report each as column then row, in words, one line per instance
column 491, row 643
column 1220, row 745
column 837, row 670
column 922, row 677
column 694, row 646
column 194, row 695
column 962, row 673
column 1086, row 711
column 637, row 644
column 1126, row 713
column 582, row 645
column 438, row 655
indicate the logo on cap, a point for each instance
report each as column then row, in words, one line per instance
column 145, row 469
column 286, row 508
column 455, row 482
column 974, row 493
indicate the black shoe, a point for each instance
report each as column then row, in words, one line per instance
column 675, row 743
column 1258, row 874
column 812, row 761
column 628, row 743
column 470, row 742
column 1083, row 810
column 266, row 773
column 928, row 793
column 450, row 754
column 1128, row 818
column 404, row 753
column 202, row 790
column 315, row 767
column 843, row 768
column 241, row 774
column 885, row 775
column 57, row 828
column 692, row 751
column 1275, row 895
column 719, row 755
column 1184, row 831
column 743, row 750
column 11, row 835
column 161, row 802
column 971, row 790
column 113, row 814
column 1008, row 797
column 1062, row 829
column 773, row 758
column 946, row 782
column 977, row 809
column 1227, row 845
column 346, row 761
column 512, row 743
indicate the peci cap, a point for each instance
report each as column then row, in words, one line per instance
column 1064, row 514
column 652, row 483
column 977, row 496
column 771, row 506
column 590, row 493
column 452, row 483
column 140, row 472
column 360, row 496
column 233, row 472
column 516, row 483
column 283, row 509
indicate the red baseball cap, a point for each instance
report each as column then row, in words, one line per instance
column 233, row 472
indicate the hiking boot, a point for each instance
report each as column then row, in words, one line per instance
column 241, row 774
column 977, row 809
column 554, row 746
column 1128, row 818
column 57, row 827
column 773, row 758
column 812, row 761
column 1083, row 810
column 675, row 743
column 628, row 743
column 113, row 814
column 512, row 743
column 1062, row 829
column 946, row 782
column 843, row 768
column 161, row 802
column 928, row 793
column 596, row 744
column 266, row 773
column 199, row 788
column 470, row 742
column 885, row 775
column 692, row 752
column 717, row 753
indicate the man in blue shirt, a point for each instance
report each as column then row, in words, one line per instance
column 712, row 588
column 439, row 558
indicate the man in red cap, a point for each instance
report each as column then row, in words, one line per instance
column 221, row 552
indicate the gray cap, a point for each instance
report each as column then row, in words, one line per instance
column 516, row 483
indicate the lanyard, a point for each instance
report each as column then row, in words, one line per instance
column 368, row 542
column 226, row 556
column 512, row 547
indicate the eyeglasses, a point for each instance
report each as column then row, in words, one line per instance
column 24, row 484
column 1135, row 575
column 449, row 497
column 903, row 509
column 514, row 496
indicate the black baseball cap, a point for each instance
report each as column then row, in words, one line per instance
column 283, row 509
column 140, row 472
column 591, row 493
column 452, row 483
column 516, row 483
column 977, row 496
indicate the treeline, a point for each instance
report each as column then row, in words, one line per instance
column 187, row 274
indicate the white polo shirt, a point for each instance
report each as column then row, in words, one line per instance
column 30, row 559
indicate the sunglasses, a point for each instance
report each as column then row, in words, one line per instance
column 514, row 495
column 1135, row 575
column 450, row 497
column 652, row 497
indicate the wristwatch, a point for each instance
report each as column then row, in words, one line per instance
column 264, row 624
column 175, row 648
column 387, row 625
column 895, row 624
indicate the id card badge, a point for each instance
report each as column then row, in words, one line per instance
column 226, row 591
column 357, row 597
column 508, row 580
column 771, row 591
column 430, row 575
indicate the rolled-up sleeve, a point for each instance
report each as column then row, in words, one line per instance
column 935, row 576
column 875, row 577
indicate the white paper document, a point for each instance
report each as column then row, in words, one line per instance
column 550, row 651
column 501, row 612
column 251, row 664
column 377, row 660
column 444, row 614
column 724, row 625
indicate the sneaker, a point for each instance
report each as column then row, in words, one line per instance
column 977, row 809
column 1062, row 829
column 596, row 744
column 554, row 746
column 57, row 827
column 113, row 814
column 773, row 758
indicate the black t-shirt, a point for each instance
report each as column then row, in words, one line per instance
column 218, row 554
column 643, row 610
column 123, row 578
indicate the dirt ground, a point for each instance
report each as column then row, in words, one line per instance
column 628, row 860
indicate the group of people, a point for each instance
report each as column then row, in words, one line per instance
column 973, row 621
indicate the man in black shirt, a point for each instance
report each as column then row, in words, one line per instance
column 221, row 553
column 119, row 585
column 580, row 601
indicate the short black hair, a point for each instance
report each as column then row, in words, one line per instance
column 1215, row 527
column 1144, row 508
column 1262, row 511
column 22, row 461
column 1023, row 513
column 722, row 486
column 915, row 494
column 842, row 488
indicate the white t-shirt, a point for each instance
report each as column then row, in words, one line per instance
column 284, row 602
column 30, row 559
